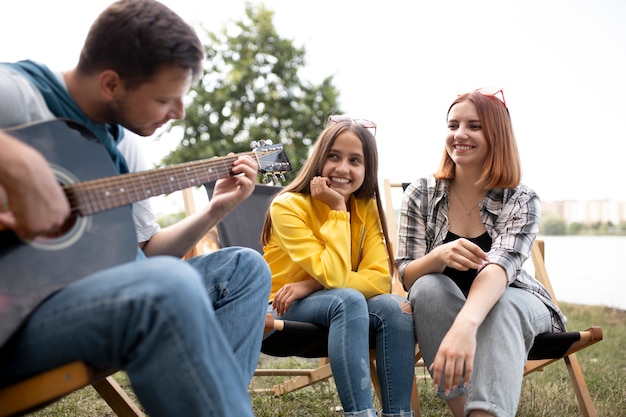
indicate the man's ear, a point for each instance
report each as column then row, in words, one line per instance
column 110, row 84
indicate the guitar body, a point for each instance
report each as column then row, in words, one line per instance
column 102, row 233
column 31, row 271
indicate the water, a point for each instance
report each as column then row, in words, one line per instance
column 587, row 269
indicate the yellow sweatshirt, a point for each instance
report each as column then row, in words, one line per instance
column 337, row 248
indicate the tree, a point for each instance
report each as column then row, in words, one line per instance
column 552, row 225
column 575, row 228
column 250, row 90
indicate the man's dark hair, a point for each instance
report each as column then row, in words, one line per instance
column 136, row 39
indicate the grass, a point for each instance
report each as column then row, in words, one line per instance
column 544, row 394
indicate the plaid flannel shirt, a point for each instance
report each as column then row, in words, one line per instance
column 511, row 217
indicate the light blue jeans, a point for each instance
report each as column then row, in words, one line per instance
column 187, row 333
column 354, row 324
column 502, row 342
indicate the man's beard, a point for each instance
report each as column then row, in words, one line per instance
column 114, row 113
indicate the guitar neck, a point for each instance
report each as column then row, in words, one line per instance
column 106, row 193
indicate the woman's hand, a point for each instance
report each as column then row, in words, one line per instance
column 293, row 292
column 320, row 190
column 455, row 357
column 461, row 254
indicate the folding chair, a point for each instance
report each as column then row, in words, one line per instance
column 243, row 227
column 549, row 347
column 41, row 390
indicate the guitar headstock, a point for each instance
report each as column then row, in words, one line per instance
column 272, row 159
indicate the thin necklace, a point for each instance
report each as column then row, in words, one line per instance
column 467, row 211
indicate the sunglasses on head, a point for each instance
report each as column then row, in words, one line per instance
column 361, row 122
column 487, row 91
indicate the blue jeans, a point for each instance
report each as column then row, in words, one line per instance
column 502, row 342
column 189, row 341
column 354, row 324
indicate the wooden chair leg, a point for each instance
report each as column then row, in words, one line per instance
column 302, row 378
column 415, row 398
column 121, row 404
column 585, row 403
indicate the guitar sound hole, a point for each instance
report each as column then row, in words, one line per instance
column 71, row 231
column 65, row 228
column 74, row 227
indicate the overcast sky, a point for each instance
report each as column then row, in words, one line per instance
column 561, row 63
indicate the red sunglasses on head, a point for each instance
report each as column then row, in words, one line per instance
column 488, row 91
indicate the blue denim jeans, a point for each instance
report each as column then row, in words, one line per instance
column 502, row 342
column 187, row 333
column 354, row 324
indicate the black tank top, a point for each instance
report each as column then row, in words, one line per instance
column 464, row 279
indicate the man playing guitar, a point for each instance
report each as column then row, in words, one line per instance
column 188, row 333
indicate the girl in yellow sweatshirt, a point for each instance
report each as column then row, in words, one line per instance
column 325, row 239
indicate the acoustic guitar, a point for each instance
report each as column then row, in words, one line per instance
column 100, row 233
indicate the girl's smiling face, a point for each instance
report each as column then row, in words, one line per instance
column 345, row 164
column 465, row 140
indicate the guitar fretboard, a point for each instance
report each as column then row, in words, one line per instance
column 94, row 196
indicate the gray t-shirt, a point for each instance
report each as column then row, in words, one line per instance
column 22, row 103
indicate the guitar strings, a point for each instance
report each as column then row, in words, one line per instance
column 105, row 193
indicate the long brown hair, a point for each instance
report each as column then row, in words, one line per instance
column 502, row 168
column 315, row 163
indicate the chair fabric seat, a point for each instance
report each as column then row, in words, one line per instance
column 306, row 340
column 552, row 345
column 310, row 340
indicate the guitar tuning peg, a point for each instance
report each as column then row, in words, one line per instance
column 254, row 144
column 282, row 177
column 268, row 142
column 265, row 179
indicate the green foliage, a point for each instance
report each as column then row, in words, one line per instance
column 575, row 228
column 251, row 91
column 553, row 226
column 557, row 226
column 170, row 218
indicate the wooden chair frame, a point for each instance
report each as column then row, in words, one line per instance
column 43, row 389
column 587, row 337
